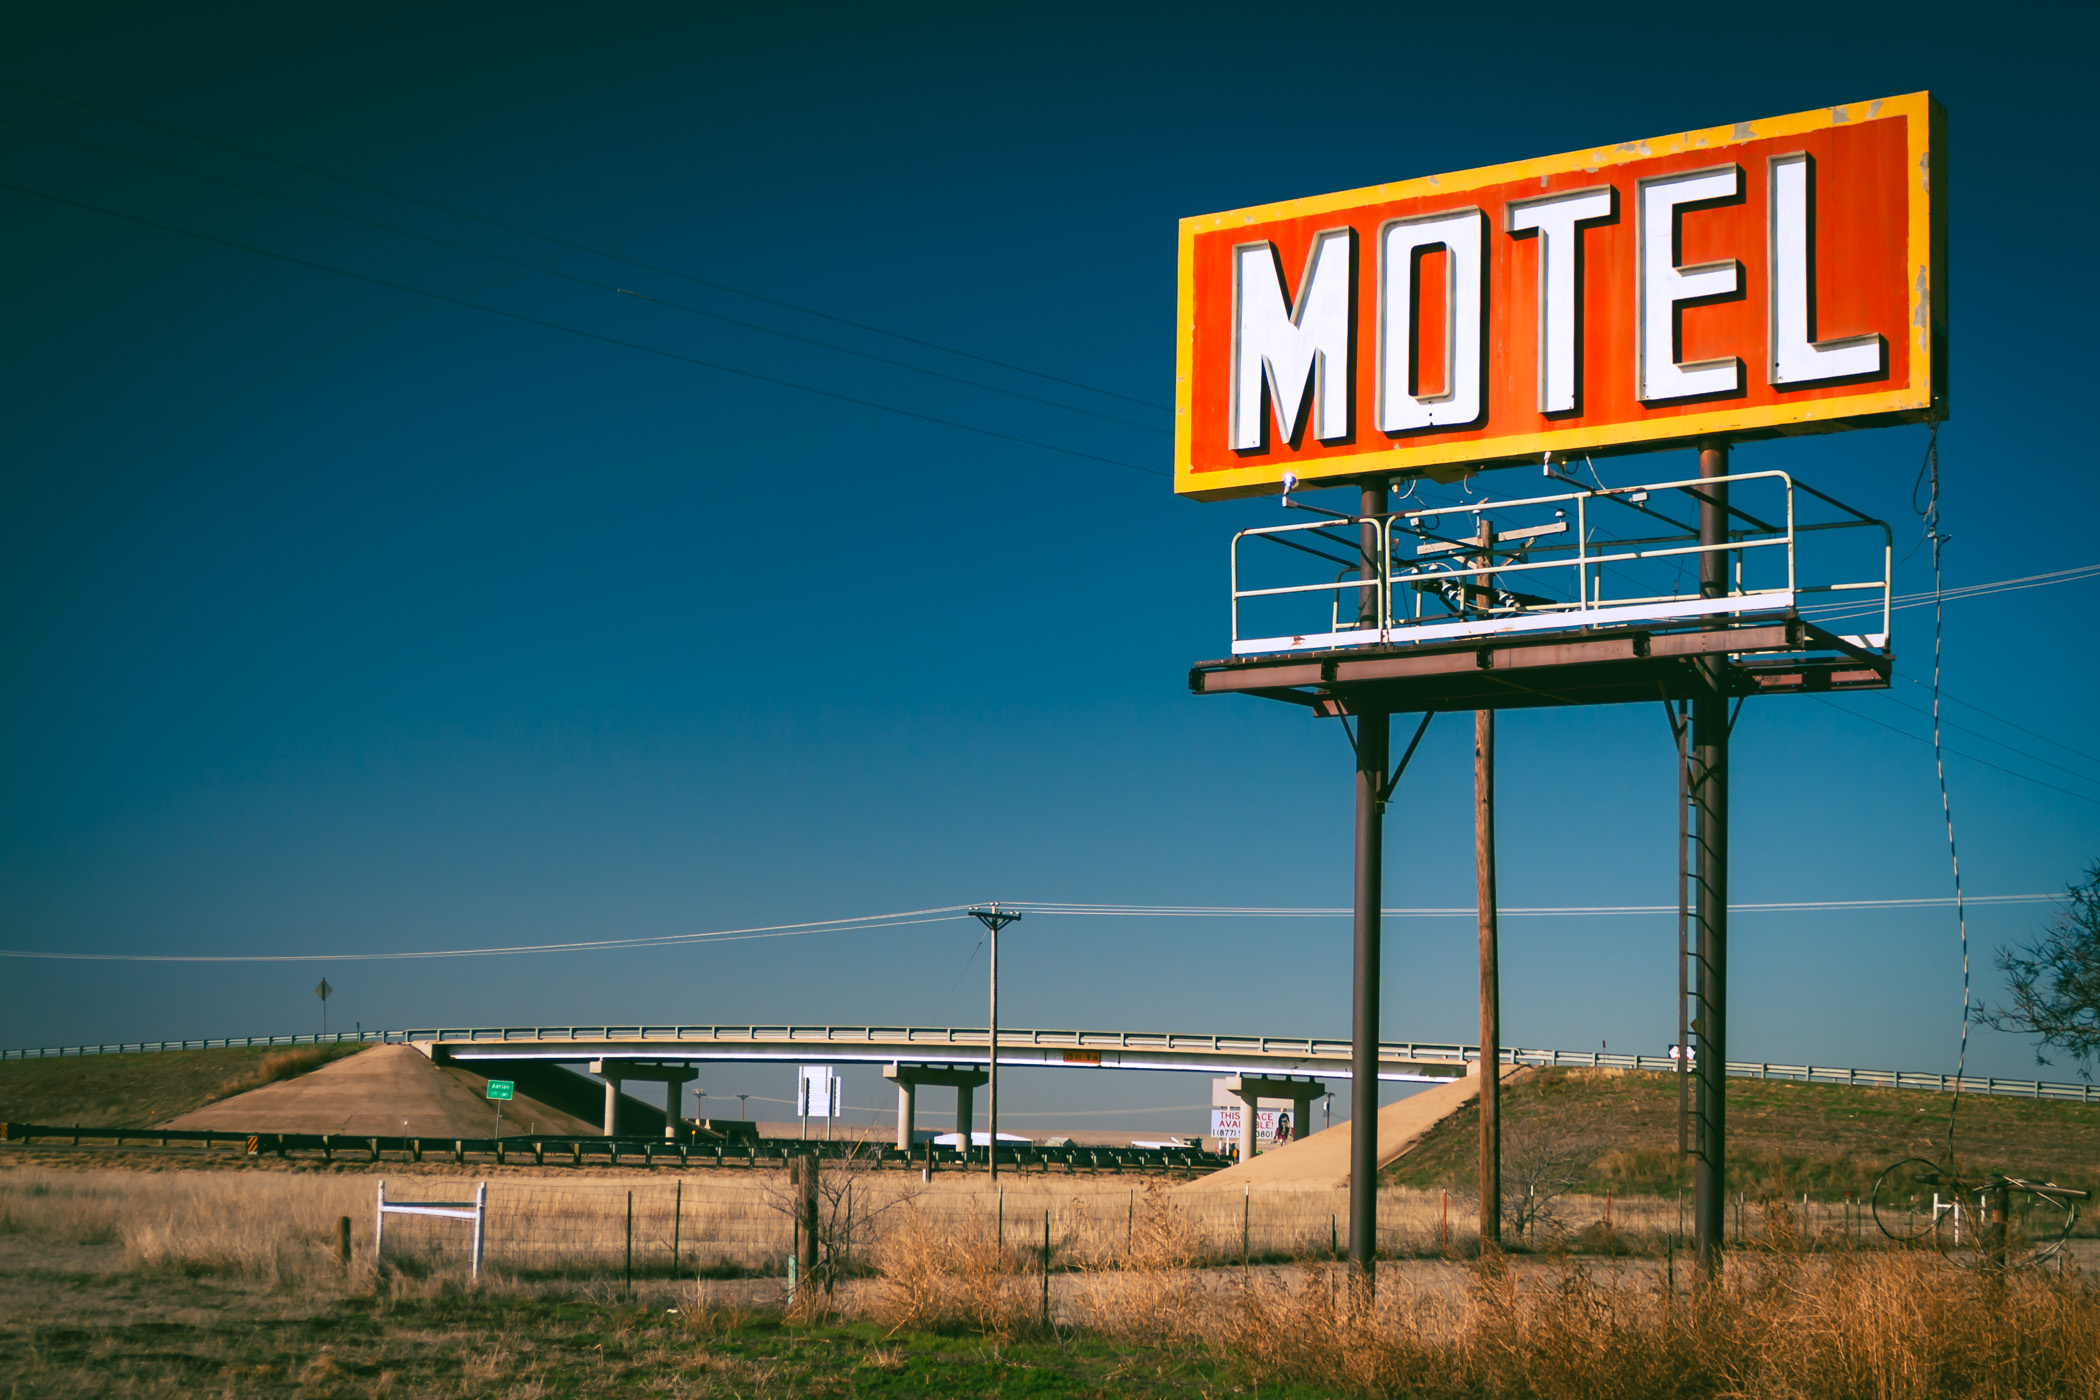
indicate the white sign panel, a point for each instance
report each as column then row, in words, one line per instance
column 818, row 1092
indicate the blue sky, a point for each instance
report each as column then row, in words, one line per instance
column 342, row 618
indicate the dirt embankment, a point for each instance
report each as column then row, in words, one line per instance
column 134, row 1090
column 388, row 1090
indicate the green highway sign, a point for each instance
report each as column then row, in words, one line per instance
column 501, row 1088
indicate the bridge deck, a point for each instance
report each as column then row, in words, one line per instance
column 938, row 1045
column 1401, row 1062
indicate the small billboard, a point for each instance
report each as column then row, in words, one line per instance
column 1225, row 1123
column 1764, row 277
column 818, row 1092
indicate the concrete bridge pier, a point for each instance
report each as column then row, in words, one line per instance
column 908, row 1078
column 1250, row 1090
column 674, row 1078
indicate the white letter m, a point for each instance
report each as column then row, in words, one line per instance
column 1292, row 348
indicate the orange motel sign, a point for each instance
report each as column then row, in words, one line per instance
column 1757, row 279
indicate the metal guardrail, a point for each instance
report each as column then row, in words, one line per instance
column 244, row 1042
column 1195, row 1047
column 232, row 1042
column 1822, row 1074
column 542, row 1149
column 1645, row 573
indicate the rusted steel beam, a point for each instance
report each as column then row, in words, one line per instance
column 1242, row 678
column 1783, row 637
column 1633, row 648
column 1380, row 668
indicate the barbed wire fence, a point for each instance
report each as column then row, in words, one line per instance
column 642, row 1231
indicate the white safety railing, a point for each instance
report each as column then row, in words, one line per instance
column 476, row 1210
column 1609, row 557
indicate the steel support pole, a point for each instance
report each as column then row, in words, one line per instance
column 1490, row 980
column 1709, row 779
column 1373, row 738
column 1490, row 958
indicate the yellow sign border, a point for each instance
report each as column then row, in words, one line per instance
column 1912, row 402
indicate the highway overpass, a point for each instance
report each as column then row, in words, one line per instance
column 1402, row 1061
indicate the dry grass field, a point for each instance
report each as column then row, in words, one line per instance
column 166, row 1274
column 137, row 1090
column 186, row 1283
column 1617, row 1130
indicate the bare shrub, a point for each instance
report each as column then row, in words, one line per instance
column 949, row 1276
column 1145, row 1288
column 1539, row 1167
column 850, row 1209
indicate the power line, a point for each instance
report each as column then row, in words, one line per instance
column 862, row 924
column 575, row 246
column 951, row 912
column 968, row 962
column 592, row 283
column 1834, row 612
column 2007, row 585
column 1198, row 911
column 886, row 360
column 1916, row 738
column 2050, row 762
column 2031, row 733
column 578, row 331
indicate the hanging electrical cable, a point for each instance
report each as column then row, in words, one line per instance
column 2001, row 719
column 1939, row 540
column 963, row 971
column 953, row 912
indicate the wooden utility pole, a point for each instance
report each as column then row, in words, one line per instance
column 802, row 1176
column 1490, row 962
column 993, row 919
